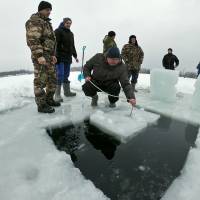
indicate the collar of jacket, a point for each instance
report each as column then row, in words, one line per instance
column 43, row 17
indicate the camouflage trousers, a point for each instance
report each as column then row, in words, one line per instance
column 44, row 82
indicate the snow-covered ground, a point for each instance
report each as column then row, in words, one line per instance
column 32, row 168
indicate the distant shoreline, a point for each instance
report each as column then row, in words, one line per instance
column 142, row 71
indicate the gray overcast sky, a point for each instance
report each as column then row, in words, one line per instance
column 158, row 24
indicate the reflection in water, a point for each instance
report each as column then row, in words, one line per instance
column 102, row 142
column 142, row 169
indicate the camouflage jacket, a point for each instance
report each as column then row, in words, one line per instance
column 40, row 36
column 108, row 42
column 132, row 56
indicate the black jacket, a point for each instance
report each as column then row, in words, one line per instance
column 101, row 71
column 169, row 60
column 65, row 45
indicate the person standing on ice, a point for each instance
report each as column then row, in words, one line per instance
column 198, row 68
column 41, row 40
column 133, row 56
column 104, row 72
column 64, row 52
column 170, row 61
column 109, row 41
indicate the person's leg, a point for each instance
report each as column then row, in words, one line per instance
column 51, row 84
column 134, row 79
column 91, row 91
column 66, row 84
column 59, row 82
column 113, row 88
column 40, row 82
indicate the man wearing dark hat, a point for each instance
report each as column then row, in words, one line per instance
column 109, row 41
column 133, row 56
column 170, row 61
column 105, row 72
column 41, row 40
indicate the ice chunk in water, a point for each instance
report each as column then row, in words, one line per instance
column 162, row 84
column 120, row 124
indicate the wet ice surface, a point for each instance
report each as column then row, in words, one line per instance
column 141, row 169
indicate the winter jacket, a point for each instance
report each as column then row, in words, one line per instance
column 198, row 66
column 40, row 36
column 65, row 45
column 169, row 60
column 108, row 42
column 98, row 68
column 133, row 56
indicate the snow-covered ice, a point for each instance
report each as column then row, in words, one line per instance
column 32, row 168
column 196, row 96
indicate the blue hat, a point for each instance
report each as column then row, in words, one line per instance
column 113, row 52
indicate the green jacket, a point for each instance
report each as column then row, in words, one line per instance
column 40, row 36
column 133, row 56
column 98, row 68
column 108, row 42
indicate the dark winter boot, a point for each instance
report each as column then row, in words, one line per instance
column 94, row 102
column 112, row 105
column 57, row 96
column 45, row 109
column 67, row 92
column 50, row 101
column 133, row 86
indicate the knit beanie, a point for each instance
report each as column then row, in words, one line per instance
column 44, row 5
column 113, row 52
column 111, row 33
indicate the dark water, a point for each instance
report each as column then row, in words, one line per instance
column 142, row 169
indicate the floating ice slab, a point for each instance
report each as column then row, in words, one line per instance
column 162, row 84
column 120, row 124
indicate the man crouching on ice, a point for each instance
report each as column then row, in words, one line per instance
column 105, row 72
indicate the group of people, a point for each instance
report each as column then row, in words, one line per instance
column 52, row 53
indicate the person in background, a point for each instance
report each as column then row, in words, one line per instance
column 170, row 61
column 109, row 41
column 64, row 52
column 106, row 71
column 133, row 56
column 41, row 40
column 198, row 69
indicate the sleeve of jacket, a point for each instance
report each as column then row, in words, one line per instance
column 127, row 88
column 164, row 61
column 88, row 67
column 141, row 56
column 58, row 37
column 176, row 61
column 33, row 37
column 74, row 53
column 124, row 54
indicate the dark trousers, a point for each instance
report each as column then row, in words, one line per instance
column 133, row 74
column 62, row 72
column 111, row 87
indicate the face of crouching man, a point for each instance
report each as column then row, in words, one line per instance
column 113, row 56
column 113, row 61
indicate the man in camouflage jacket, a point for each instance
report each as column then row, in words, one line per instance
column 42, row 42
column 133, row 55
